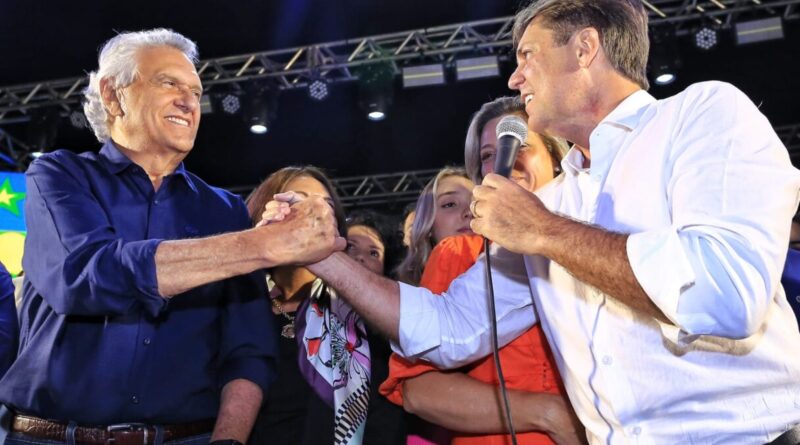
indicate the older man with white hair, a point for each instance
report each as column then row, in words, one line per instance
column 145, row 318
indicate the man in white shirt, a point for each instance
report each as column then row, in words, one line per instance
column 653, row 263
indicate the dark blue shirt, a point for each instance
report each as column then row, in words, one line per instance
column 791, row 281
column 98, row 344
column 9, row 329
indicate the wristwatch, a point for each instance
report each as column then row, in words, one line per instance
column 225, row 442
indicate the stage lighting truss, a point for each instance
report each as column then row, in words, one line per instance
column 333, row 61
column 706, row 38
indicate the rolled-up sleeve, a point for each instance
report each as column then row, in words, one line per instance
column 73, row 256
column 454, row 329
column 732, row 193
column 249, row 348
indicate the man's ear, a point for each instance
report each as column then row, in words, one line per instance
column 111, row 100
column 587, row 46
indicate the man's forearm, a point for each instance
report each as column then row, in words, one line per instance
column 239, row 406
column 375, row 298
column 596, row 257
column 185, row 264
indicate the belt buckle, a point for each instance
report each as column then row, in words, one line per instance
column 125, row 427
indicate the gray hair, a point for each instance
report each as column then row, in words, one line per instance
column 118, row 63
column 622, row 25
column 502, row 106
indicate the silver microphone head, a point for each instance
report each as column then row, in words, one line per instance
column 514, row 126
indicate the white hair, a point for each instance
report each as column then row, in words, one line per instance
column 118, row 63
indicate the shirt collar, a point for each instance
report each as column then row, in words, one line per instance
column 625, row 116
column 629, row 112
column 115, row 161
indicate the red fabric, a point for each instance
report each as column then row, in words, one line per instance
column 527, row 361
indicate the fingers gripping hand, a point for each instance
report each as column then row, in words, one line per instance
column 507, row 214
column 308, row 232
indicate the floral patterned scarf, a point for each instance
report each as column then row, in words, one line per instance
column 334, row 359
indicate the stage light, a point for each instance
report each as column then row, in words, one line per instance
column 205, row 104
column 706, row 38
column 78, row 119
column 664, row 61
column 259, row 108
column 376, row 89
column 665, row 79
column 318, row 89
column 477, row 68
column 376, row 115
column 423, row 75
column 759, row 30
column 231, row 103
column 43, row 128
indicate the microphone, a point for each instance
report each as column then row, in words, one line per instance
column 511, row 134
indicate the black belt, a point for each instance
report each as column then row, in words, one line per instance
column 791, row 437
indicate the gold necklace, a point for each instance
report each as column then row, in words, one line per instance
column 288, row 330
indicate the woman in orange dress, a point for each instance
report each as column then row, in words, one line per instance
column 468, row 401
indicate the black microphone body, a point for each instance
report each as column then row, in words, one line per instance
column 511, row 132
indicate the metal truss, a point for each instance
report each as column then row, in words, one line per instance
column 373, row 190
column 339, row 61
column 14, row 153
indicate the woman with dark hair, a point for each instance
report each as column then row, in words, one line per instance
column 322, row 391
column 467, row 402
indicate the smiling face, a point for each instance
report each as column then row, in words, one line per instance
column 365, row 246
column 452, row 199
column 548, row 78
column 533, row 167
column 160, row 110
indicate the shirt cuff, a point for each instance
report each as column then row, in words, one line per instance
column 258, row 370
column 661, row 268
column 419, row 322
column 139, row 258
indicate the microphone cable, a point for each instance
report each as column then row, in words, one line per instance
column 495, row 346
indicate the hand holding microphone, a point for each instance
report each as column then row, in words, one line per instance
column 503, row 211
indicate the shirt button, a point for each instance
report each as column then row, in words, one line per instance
column 135, row 399
column 155, row 202
column 607, row 360
column 146, row 341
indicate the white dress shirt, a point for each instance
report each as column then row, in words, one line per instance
column 706, row 191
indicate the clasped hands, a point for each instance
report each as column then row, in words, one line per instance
column 304, row 228
column 509, row 215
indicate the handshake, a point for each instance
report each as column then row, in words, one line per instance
column 299, row 229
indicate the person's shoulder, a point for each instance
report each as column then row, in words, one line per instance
column 712, row 91
column 62, row 161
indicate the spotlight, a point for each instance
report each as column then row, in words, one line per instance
column 664, row 60
column 231, row 103
column 706, row 38
column 376, row 89
column 43, row 128
column 78, row 119
column 318, row 89
column 259, row 108
column 376, row 115
column 665, row 79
